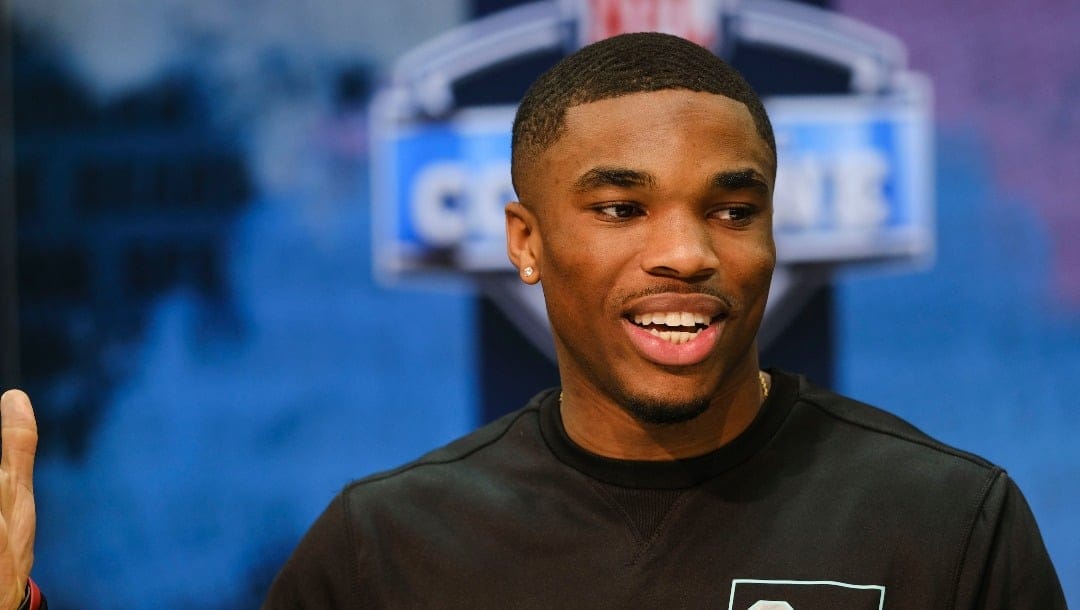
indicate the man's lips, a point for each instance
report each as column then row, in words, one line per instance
column 675, row 329
column 674, row 350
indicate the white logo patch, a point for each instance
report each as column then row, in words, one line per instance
column 753, row 594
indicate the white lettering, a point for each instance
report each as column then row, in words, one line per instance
column 799, row 202
column 859, row 186
column 831, row 192
column 493, row 189
column 450, row 204
column 437, row 201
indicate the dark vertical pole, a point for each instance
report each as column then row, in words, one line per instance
column 512, row 370
column 9, row 302
column 808, row 344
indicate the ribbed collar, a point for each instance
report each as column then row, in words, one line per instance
column 675, row 474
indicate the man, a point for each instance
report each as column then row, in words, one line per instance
column 668, row 471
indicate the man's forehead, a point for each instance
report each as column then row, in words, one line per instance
column 619, row 126
column 681, row 107
column 637, row 99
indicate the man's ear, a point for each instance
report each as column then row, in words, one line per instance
column 523, row 244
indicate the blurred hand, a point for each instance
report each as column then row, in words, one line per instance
column 18, row 444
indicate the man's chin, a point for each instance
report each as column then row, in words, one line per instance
column 655, row 411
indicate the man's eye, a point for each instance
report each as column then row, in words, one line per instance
column 620, row 210
column 738, row 215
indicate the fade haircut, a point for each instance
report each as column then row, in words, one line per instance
column 617, row 66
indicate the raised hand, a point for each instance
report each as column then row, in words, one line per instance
column 18, row 444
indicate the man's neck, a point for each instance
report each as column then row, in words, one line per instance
column 598, row 425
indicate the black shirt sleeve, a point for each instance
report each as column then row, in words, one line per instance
column 1006, row 565
column 321, row 571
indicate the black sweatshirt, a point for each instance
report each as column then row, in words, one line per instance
column 822, row 503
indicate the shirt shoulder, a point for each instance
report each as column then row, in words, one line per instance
column 887, row 431
column 945, row 515
column 468, row 461
column 882, row 465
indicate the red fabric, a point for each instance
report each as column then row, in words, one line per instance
column 35, row 595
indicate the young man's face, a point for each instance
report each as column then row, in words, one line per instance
column 649, row 223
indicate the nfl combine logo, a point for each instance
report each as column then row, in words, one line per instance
column 691, row 19
column 853, row 185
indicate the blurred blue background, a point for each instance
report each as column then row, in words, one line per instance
column 211, row 358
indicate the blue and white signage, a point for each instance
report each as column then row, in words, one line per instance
column 853, row 183
column 446, row 185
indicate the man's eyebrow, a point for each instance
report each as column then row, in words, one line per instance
column 741, row 179
column 623, row 177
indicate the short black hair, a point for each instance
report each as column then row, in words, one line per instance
column 621, row 65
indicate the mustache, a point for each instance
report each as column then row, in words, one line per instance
column 728, row 300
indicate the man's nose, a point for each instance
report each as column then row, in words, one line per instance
column 679, row 245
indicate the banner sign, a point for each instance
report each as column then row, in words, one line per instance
column 854, row 178
column 852, row 184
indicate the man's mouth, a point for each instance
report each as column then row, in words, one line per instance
column 675, row 327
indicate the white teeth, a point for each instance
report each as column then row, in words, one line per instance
column 677, row 337
column 671, row 318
